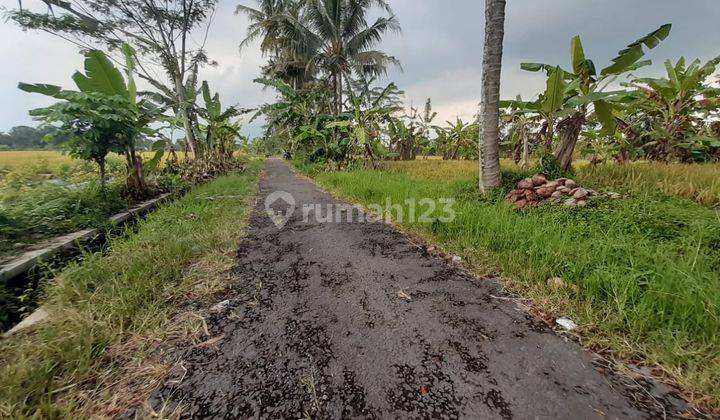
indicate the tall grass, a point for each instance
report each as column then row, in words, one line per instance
column 645, row 270
column 699, row 182
column 51, row 209
column 45, row 193
column 111, row 299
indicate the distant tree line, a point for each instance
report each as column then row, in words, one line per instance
column 23, row 137
column 44, row 137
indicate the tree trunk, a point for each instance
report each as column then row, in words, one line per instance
column 490, row 112
column 136, row 180
column 526, row 151
column 185, row 115
column 101, row 164
column 335, row 93
column 569, row 131
column 549, row 134
column 340, row 93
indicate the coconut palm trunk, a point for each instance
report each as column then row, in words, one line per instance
column 490, row 114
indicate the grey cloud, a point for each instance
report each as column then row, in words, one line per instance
column 440, row 48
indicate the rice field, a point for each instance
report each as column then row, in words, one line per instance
column 697, row 182
column 19, row 160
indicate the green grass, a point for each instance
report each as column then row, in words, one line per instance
column 111, row 308
column 645, row 270
column 48, row 210
column 699, row 182
column 45, row 194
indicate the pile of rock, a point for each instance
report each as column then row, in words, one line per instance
column 537, row 190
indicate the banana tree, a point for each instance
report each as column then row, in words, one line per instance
column 363, row 129
column 520, row 120
column 405, row 139
column 458, row 140
column 293, row 111
column 674, row 109
column 220, row 131
column 572, row 98
column 103, row 115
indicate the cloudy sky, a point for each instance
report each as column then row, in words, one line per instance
column 440, row 49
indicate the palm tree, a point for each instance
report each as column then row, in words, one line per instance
column 490, row 113
column 265, row 23
column 339, row 41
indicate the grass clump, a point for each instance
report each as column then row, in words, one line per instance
column 108, row 312
column 644, row 271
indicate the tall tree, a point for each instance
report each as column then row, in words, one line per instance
column 490, row 107
column 273, row 22
column 265, row 23
column 342, row 41
column 162, row 32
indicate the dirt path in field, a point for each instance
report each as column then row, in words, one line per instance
column 315, row 328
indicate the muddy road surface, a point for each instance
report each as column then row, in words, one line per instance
column 353, row 320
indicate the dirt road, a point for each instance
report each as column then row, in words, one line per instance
column 315, row 327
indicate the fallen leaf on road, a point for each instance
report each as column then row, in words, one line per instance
column 403, row 295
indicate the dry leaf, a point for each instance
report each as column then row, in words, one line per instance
column 403, row 295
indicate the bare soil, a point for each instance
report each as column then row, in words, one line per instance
column 315, row 328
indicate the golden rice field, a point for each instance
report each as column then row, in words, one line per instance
column 698, row 182
column 17, row 160
column 48, row 159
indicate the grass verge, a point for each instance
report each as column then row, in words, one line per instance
column 642, row 273
column 97, row 354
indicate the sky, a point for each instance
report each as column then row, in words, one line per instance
column 440, row 49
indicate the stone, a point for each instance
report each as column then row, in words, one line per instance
column 544, row 192
column 538, row 180
column 515, row 195
column 552, row 184
column 571, row 184
column 566, row 323
column 530, row 195
column 557, row 194
column 580, row 193
column 525, row 184
column 220, row 306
